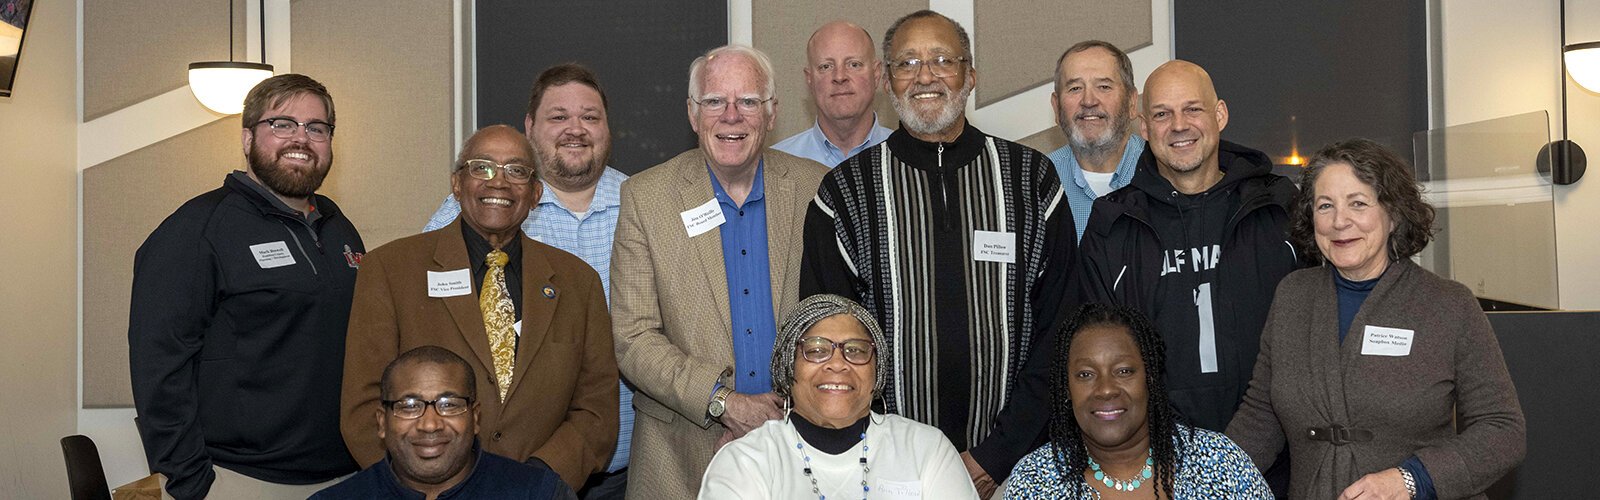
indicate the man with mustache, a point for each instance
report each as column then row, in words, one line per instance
column 429, row 426
column 568, row 124
column 1094, row 102
column 529, row 317
column 843, row 74
column 249, row 286
column 1198, row 241
column 707, row 255
column 959, row 243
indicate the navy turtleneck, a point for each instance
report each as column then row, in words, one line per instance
column 1351, row 295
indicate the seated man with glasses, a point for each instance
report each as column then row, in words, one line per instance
column 436, row 453
column 532, row 319
column 959, row 243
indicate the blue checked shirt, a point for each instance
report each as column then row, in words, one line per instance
column 588, row 238
column 744, row 256
column 813, row 145
column 1080, row 197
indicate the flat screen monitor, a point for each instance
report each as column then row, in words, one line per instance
column 13, row 24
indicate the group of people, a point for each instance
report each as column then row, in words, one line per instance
column 929, row 311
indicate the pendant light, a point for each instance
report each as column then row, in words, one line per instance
column 222, row 85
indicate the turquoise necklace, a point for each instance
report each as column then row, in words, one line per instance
column 1124, row 485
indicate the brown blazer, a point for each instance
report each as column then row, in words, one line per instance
column 669, row 299
column 1449, row 401
column 562, row 404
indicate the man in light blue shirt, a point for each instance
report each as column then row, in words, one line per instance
column 1094, row 102
column 566, row 123
column 843, row 73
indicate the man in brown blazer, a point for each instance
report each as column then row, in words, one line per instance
column 550, row 376
column 706, row 255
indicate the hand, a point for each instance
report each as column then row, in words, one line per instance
column 745, row 412
column 1382, row 485
column 727, row 437
column 980, row 479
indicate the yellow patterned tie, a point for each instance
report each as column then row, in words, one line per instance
column 498, row 316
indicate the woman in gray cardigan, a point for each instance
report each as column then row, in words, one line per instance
column 1375, row 357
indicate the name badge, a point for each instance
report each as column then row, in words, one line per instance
column 1384, row 341
column 703, row 218
column 449, row 283
column 270, row 255
column 994, row 246
column 898, row 489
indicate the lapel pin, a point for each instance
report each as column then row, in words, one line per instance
column 549, row 292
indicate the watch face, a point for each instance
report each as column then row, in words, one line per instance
column 716, row 408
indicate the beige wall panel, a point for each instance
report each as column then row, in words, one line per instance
column 388, row 66
column 782, row 28
column 38, row 302
column 1046, row 140
column 133, row 51
column 1018, row 41
column 123, row 201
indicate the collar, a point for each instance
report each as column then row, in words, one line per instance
column 607, row 192
column 1125, row 166
column 757, row 188
column 400, row 490
column 267, row 201
column 925, row 155
column 822, row 139
column 830, row 441
column 478, row 247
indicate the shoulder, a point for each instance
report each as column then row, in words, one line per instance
column 1028, row 156
column 793, row 143
column 501, row 470
column 770, row 437
column 1036, row 475
column 663, row 174
column 1306, row 280
column 416, row 244
column 365, row 484
column 1212, row 451
column 1107, row 209
column 795, row 167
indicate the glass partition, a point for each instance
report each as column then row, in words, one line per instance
column 1495, row 207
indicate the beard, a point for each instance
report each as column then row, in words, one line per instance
column 939, row 119
column 1095, row 146
column 287, row 181
column 555, row 169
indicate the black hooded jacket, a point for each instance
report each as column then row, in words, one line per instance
column 1152, row 248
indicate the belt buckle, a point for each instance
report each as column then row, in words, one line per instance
column 1340, row 435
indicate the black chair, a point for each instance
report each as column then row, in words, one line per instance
column 84, row 473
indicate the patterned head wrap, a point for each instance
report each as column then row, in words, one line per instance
column 804, row 315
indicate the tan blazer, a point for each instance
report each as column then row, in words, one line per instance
column 562, row 404
column 670, row 317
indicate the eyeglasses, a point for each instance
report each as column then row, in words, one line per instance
column 820, row 350
column 412, row 408
column 746, row 105
column 283, row 128
column 940, row 66
column 515, row 173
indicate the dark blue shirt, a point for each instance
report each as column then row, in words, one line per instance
column 744, row 256
column 494, row 476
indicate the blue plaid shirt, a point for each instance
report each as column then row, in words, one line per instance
column 1079, row 196
column 588, row 238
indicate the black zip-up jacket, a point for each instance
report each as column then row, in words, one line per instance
column 236, row 352
column 1122, row 263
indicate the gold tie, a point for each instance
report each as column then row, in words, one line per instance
column 498, row 316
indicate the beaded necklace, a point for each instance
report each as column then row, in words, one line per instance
column 800, row 444
column 1120, row 484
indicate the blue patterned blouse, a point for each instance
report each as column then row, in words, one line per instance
column 1209, row 466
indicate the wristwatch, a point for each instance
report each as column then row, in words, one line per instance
column 1411, row 481
column 719, row 402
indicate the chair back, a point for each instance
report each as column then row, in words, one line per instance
column 85, row 475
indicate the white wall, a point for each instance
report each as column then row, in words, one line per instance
column 38, row 296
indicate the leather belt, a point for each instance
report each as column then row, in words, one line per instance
column 1339, row 435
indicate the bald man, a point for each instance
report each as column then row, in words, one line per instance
column 1198, row 241
column 843, row 74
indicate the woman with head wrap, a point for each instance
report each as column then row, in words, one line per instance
column 831, row 445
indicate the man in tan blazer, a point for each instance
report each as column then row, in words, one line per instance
column 697, row 284
column 559, row 405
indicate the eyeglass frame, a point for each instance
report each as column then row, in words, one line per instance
column 388, row 404
column 916, row 67
column 298, row 125
column 872, row 351
column 533, row 175
column 718, row 108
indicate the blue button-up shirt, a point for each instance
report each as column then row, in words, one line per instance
column 813, row 144
column 589, row 238
column 1080, row 197
column 744, row 256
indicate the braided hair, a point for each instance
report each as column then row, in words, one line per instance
column 799, row 319
column 1071, row 456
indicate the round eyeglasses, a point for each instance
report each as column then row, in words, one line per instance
column 820, row 350
column 412, row 408
column 283, row 128
column 940, row 66
column 515, row 173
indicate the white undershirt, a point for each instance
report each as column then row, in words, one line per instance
column 1098, row 182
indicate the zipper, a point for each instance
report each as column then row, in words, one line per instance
column 302, row 248
column 944, row 198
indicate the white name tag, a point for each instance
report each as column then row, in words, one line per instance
column 703, row 218
column 1384, row 341
column 449, row 283
column 270, row 255
column 994, row 246
column 898, row 489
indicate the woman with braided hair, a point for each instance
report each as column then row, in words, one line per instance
column 1112, row 433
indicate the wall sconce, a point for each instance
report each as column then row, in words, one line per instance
column 222, row 85
column 1583, row 63
column 1563, row 159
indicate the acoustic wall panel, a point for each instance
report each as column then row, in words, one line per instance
column 1018, row 41
column 640, row 50
column 133, row 51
